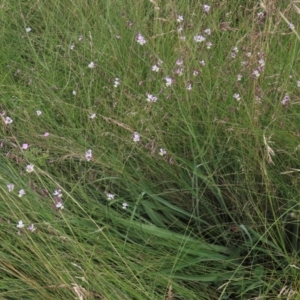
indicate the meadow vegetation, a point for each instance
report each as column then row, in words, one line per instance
column 149, row 149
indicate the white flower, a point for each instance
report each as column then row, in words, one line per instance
column 136, row 137
column 189, row 87
column 151, row 98
column 59, row 205
column 168, row 80
column 29, row 168
column 256, row 73
column 125, row 205
column 140, row 39
column 237, row 97
column 8, row 120
column 74, row 92
column 10, row 187
column 72, row 46
column 206, row 8
column 286, row 100
column 88, row 155
column 298, row 83
column 57, row 193
column 239, row 77
column 28, row 29
column 180, row 29
column 183, row 38
column 202, row 62
column 91, row 65
column 38, row 112
column 248, row 54
column 162, row 152
column 208, row 45
column 20, row 224
column 207, row 31
column 179, row 71
column 110, row 196
column 31, row 227
column 195, row 73
column 117, row 82
column 199, row 38
column 179, row 19
column 155, row 68
column 92, row 116
column 179, row 62
column 235, row 49
column 291, row 26
column 261, row 62
column 21, row 193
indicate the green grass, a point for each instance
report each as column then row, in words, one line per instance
column 216, row 217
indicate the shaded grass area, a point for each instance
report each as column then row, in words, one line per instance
column 204, row 205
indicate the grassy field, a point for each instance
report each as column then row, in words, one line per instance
column 149, row 149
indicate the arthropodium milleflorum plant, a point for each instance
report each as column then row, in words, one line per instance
column 149, row 151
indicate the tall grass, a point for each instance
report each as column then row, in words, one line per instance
column 191, row 196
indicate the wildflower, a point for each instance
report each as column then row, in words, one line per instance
column 291, row 26
column 57, row 193
column 155, row 68
column 46, row 134
column 20, row 224
column 74, row 92
column 88, row 155
column 10, row 187
column 151, row 98
column 125, row 205
column 183, row 38
column 208, row 45
column 80, row 38
column 71, row 47
column 8, row 120
column 237, row 97
column 199, row 38
column 31, row 227
column 160, row 62
column 179, row 62
column 162, row 151
column 180, row 29
column 140, row 39
column 261, row 62
column 206, row 8
column 136, row 137
column 168, row 80
column 207, row 31
column 248, row 54
column 29, row 168
column 189, row 87
column 117, row 82
column 179, row 71
column 92, row 116
column 38, row 112
column 235, row 49
column 195, row 73
column 21, row 193
column 179, row 19
column 233, row 55
column 239, row 77
column 91, row 65
column 110, row 196
column 24, row 146
column 260, row 15
column 298, row 83
column 59, row 204
column 256, row 73
column 28, row 29
column 202, row 62
column 286, row 100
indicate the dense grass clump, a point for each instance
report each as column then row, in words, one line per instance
column 149, row 150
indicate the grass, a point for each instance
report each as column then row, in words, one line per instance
column 204, row 204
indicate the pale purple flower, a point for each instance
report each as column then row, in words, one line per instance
column 202, row 62
column 179, row 62
column 38, row 112
column 88, row 155
column 235, row 49
column 21, row 193
column 140, row 39
column 57, row 193
column 29, row 168
column 162, row 151
column 208, row 45
column 180, row 29
column 24, row 146
column 179, row 18
column 291, row 26
column 207, row 31
column 189, row 87
column 59, row 204
column 8, row 120
column 261, row 62
column 46, row 134
column 183, row 37
column 92, row 116
column 28, row 29
column 179, row 72
column 155, row 68
column 136, row 137
column 195, row 73
column 91, row 65
column 256, row 73
column 117, row 82
column 298, row 83
column 233, row 55
column 151, row 98
column 286, row 100
column 31, row 227
column 20, row 224
column 248, row 54
column 125, row 205
column 239, row 77
column 110, row 196
column 10, row 187
column 168, row 80
column 199, row 38
column 260, row 15
column 237, row 97
column 206, row 8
